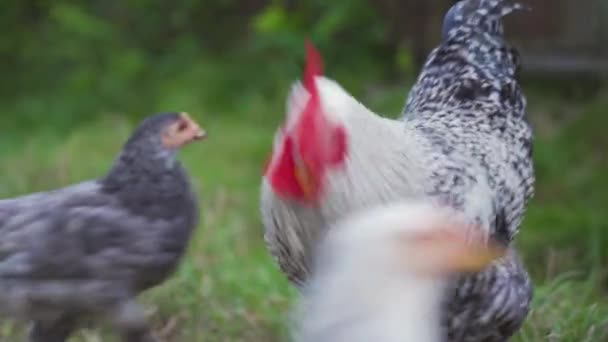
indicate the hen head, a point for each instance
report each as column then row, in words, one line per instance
column 181, row 131
column 165, row 131
column 309, row 144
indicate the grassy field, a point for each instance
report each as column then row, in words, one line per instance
column 228, row 288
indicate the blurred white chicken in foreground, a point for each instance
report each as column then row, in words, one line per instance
column 380, row 275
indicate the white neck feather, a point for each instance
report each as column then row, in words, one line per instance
column 386, row 158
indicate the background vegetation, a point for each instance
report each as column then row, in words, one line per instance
column 78, row 75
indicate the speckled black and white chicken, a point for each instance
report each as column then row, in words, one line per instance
column 463, row 141
column 380, row 274
column 89, row 249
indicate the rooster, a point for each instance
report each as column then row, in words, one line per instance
column 463, row 141
column 380, row 275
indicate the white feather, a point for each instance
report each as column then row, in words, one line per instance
column 362, row 290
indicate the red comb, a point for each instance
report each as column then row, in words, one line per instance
column 314, row 67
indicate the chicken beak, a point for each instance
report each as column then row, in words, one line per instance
column 475, row 258
column 473, row 255
column 200, row 134
column 306, row 181
column 457, row 249
column 196, row 132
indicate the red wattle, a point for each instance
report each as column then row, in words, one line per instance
column 282, row 176
column 338, row 146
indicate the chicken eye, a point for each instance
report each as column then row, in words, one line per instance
column 182, row 126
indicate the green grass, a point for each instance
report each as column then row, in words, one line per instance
column 229, row 289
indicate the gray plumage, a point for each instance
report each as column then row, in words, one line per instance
column 463, row 141
column 90, row 248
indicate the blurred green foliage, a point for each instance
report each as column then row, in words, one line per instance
column 122, row 56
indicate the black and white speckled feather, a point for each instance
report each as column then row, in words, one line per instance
column 464, row 141
column 489, row 306
column 468, row 101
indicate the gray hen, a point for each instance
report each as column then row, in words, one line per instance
column 89, row 249
column 463, row 142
